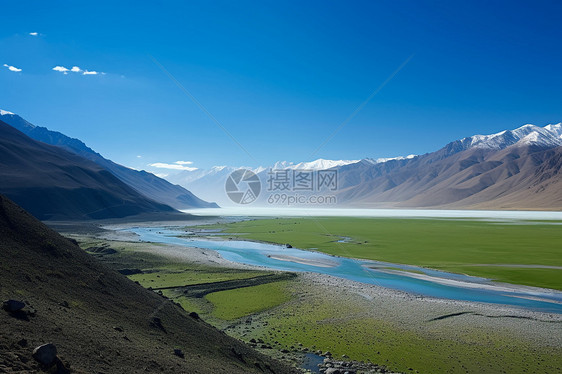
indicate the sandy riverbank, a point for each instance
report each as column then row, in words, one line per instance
column 426, row 313
column 305, row 261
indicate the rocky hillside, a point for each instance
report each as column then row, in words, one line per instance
column 98, row 320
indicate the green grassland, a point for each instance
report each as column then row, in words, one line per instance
column 445, row 244
column 233, row 304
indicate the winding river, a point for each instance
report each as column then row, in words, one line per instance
column 415, row 280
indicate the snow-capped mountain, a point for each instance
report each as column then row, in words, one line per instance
column 320, row 164
column 513, row 168
column 386, row 159
column 548, row 136
column 209, row 183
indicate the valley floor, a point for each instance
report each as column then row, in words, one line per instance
column 286, row 316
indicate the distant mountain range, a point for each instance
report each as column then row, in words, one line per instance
column 513, row 169
column 518, row 169
column 147, row 184
column 52, row 183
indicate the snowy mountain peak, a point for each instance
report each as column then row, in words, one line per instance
column 555, row 129
column 5, row 113
column 548, row 136
column 320, row 164
column 386, row 159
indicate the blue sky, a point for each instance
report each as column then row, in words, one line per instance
column 280, row 77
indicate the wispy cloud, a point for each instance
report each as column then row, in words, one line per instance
column 34, row 33
column 178, row 165
column 76, row 69
column 12, row 68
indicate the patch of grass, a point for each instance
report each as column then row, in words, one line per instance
column 177, row 276
column 234, row 304
column 547, row 278
column 434, row 243
column 199, row 306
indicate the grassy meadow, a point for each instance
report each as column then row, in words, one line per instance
column 456, row 245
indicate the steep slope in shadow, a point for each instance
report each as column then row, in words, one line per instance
column 100, row 321
column 52, row 183
column 143, row 182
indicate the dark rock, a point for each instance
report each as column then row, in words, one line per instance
column 157, row 323
column 194, row 315
column 118, row 328
column 73, row 241
column 332, row 371
column 22, row 343
column 65, row 304
column 45, row 354
column 288, row 245
column 12, row 306
column 178, row 352
column 130, row 271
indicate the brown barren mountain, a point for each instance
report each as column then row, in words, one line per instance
column 100, row 321
column 517, row 177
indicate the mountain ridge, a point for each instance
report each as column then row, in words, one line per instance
column 53, row 183
column 145, row 183
column 461, row 174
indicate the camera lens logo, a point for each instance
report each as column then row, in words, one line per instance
column 243, row 186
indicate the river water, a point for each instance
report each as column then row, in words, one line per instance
column 414, row 280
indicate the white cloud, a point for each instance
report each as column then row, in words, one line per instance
column 178, row 165
column 139, row 156
column 12, row 68
column 160, row 175
column 76, row 69
column 62, row 69
column 33, row 33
